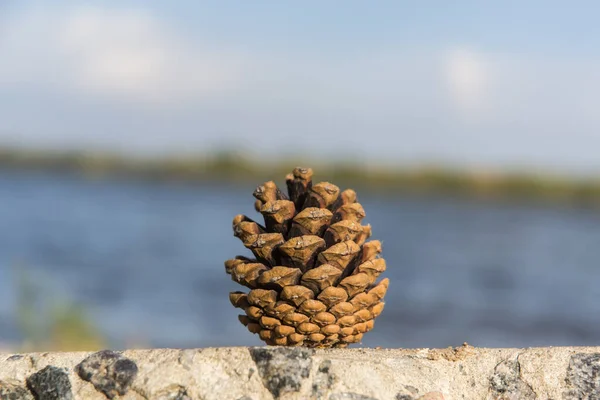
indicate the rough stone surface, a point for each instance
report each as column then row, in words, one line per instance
column 323, row 381
column 270, row 373
column 583, row 377
column 50, row 383
column 350, row 396
column 432, row 396
column 109, row 372
column 173, row 392
column 506, row 383
column 13, row 390
column 407, row 393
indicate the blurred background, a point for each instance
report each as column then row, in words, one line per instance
column 131, row 133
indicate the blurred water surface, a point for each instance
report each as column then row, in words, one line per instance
column 146, row 260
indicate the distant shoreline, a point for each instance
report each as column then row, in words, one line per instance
column 235, row 168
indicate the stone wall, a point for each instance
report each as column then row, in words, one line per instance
column 241, row 373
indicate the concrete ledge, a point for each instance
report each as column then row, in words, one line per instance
column 241, row 373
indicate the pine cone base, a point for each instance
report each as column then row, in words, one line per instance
column 313, row 278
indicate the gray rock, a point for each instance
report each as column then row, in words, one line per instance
column 11, row 390
column 506, row 383
column 281, row 369
column 109, row 372
column 583, row 377
column 50, row 383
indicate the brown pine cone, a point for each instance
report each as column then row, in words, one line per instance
column 313, row 275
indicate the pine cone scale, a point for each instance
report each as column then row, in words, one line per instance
column 313, row 280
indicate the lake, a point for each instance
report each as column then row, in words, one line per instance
column 146, row 261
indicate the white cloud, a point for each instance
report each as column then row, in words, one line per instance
column 123, row 53
column 467, row 78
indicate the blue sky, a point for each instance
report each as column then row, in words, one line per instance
column 470, row 83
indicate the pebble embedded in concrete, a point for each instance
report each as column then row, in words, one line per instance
column 283, row 369
column 583, row 377
column 109, row 372
column 50, row 383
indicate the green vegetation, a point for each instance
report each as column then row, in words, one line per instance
column 50, row 325
column 236, row 167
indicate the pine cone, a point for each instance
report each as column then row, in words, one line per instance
column 313, row 277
